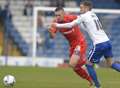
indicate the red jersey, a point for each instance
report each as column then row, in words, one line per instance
column 73, row 35
column 75, row 38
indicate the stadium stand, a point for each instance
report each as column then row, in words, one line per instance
column 21, row 25
column 15, row 35
column 104, row 4
column 115, row 33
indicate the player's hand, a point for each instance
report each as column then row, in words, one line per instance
column 53, row 25
column 52, row 32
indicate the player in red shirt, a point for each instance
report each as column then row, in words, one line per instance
column 76, row 41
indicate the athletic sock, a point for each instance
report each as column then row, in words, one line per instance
column 93, row 75
column 116, row 66
column 82, row 73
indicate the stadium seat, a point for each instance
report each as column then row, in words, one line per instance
column 22, row 45
column 21, row 28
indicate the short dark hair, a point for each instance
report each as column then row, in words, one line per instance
column 87, row 3
column 59, row 8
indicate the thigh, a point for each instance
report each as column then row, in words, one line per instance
column 95, row 55
column 108, row 51
column 78, row 56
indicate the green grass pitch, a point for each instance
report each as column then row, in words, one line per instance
column 35, row 77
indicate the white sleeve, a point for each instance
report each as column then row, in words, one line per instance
column 69, row 25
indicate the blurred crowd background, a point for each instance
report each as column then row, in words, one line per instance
column 16, row 27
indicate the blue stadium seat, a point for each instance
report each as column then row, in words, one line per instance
column 105, row 4
column 115, row 37
column 18, row 40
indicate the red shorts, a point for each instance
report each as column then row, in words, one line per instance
column 79, row 49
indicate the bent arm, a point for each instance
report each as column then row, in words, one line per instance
column 52, row 32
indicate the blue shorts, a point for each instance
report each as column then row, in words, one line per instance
column 99, row 50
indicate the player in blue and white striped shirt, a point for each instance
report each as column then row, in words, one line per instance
column 101, row 42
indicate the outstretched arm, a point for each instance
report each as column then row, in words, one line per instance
column 68, row 25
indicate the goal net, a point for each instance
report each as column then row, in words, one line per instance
column 44, row 46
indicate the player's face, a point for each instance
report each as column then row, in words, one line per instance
column 83, row 8
column 59, row 15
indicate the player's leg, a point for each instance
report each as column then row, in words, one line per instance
column 94, row 57
column 77, row 64
column 80, row 69
column 108, row 56
column 82, row 72
column 115, row 66
column 93, row 74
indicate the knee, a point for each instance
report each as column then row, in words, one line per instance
column 73, row 62
column 109, row 61
column 72, row 65
column 89, row 63
column 109, row 64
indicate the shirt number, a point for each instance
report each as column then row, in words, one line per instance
column 98, row 24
